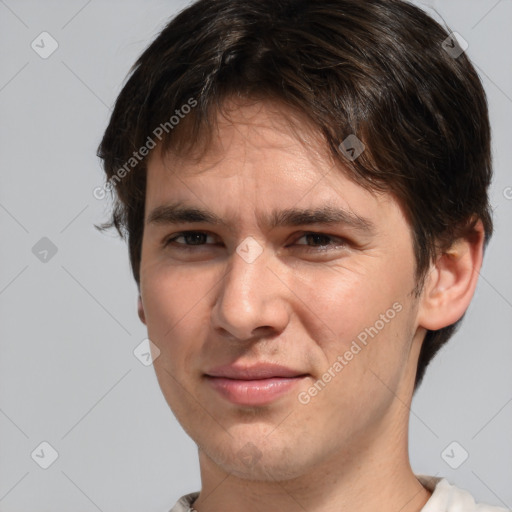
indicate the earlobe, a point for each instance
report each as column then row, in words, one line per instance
column 140, row 311
column 452, row 281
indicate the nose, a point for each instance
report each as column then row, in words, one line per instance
column 251, row 301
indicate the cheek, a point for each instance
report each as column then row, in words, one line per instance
column 343, row 302
column 175, row 304
column 359, row 374
column 361, row 316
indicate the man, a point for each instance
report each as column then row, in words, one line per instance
column 303, row 187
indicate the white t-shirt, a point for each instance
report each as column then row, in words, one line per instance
column 445, row 498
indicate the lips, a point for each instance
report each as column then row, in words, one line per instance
column 255, row 385
column 255, row 372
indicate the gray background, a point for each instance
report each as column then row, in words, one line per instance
column 68, row 325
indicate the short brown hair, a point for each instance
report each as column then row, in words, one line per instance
column 378, row 69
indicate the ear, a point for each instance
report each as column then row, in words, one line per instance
column 140, row 311
column 452, row 281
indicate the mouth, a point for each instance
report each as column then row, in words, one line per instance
column 255, row 385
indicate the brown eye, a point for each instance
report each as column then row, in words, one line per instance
column 189, row 239
column 321, row 240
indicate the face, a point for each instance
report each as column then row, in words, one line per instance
column 279, row 294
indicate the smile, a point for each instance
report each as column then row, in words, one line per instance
column 253, row 392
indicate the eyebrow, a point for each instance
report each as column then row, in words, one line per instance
column 178, row 213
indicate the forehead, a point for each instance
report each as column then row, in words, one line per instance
column 240, row 127
column 261, row 156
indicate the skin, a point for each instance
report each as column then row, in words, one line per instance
column 300, row 303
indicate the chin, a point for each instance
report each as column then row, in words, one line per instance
column 258, row 460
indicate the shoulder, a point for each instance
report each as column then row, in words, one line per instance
column 185, row 502
column 446, row 497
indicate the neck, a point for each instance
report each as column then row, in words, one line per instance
column 374, row 475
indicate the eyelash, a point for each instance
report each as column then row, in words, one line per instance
column 170, row 240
